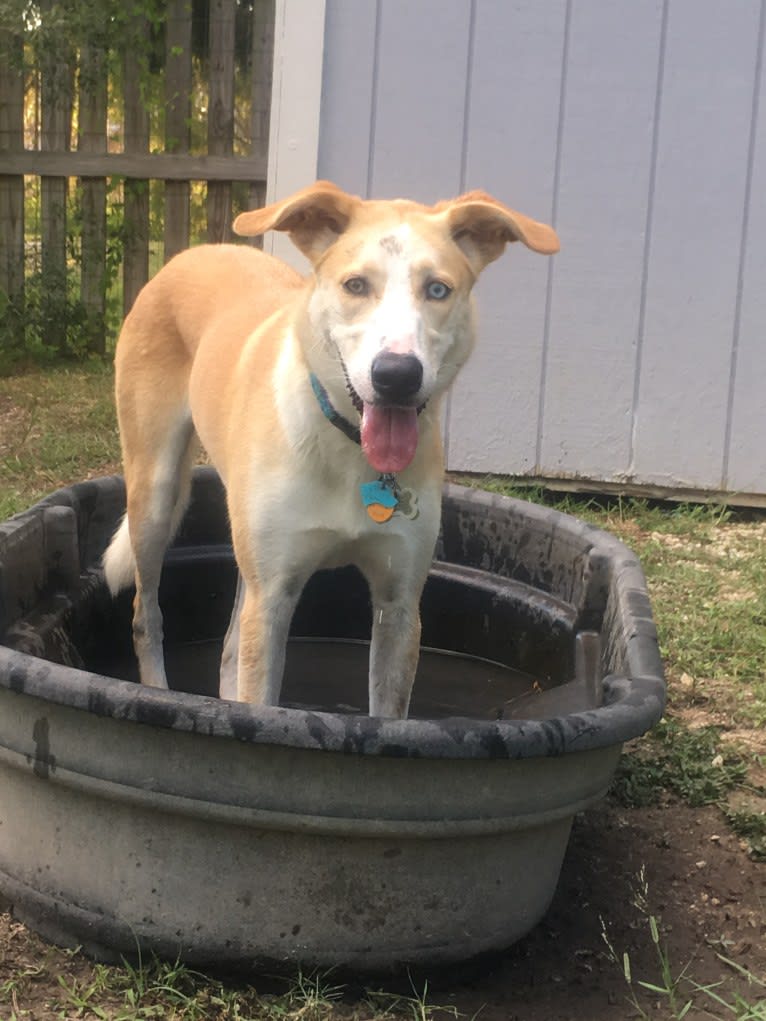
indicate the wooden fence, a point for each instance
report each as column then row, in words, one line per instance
column 53, row 96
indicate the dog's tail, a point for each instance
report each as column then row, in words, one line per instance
column 119, row 561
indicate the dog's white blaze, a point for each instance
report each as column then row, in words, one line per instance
column 397, row 322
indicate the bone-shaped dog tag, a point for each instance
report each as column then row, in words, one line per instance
column 408, row 504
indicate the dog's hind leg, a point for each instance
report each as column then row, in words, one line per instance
column 158, row 477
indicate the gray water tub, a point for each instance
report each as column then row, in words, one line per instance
column 261, row 837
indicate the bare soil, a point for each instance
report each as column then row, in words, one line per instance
column 708, row 897
column 706, row 894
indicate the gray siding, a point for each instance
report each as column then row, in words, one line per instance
column 639, row 352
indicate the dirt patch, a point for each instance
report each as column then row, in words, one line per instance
column 707, row 896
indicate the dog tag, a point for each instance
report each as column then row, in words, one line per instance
column 408, row 504
column 379, row 499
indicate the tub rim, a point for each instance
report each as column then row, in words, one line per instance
column 632, row 705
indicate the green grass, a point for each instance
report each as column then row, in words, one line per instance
column 57, row 425
column 169, row 991
column 692, row 764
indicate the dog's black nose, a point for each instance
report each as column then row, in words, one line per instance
column 396, row 377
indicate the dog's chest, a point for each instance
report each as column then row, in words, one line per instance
column 326, row 522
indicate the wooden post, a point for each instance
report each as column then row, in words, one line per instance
column 92, row 138
column 178, row 80
column 135, row 267
column 262, row 64
column 56, row 116
column 220, row 114
column 12, row 186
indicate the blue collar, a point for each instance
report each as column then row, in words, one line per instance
column 331, row 414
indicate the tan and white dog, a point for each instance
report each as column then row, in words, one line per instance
column 317, row 400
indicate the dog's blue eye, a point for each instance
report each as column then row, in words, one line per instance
column 437, row 290
column 357, row 286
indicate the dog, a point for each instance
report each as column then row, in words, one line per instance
column 318, row 401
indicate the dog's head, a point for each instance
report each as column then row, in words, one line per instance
column 391, row 313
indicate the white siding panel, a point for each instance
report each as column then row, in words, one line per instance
column 606, row 151
column 347, row 93
column 747, row 440
column 510, row 151
column 420, row 93
column 695, row 242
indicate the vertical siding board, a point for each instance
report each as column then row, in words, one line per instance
column 680, row 418
column 420, row 96
column 601, row 215
column 511, row 139
column 747, row 451
column 347, row 93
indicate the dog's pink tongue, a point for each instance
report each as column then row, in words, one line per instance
column 389, row 437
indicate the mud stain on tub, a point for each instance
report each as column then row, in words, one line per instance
column 43, row 763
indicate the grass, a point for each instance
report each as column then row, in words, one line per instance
column 153, row 989
column 56, row 426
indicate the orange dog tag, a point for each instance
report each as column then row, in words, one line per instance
column 379, row 513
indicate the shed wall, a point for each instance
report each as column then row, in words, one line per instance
column 638, row 354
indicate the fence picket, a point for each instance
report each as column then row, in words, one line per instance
column 92, row 138
column 262, row 61
column 220, row 119
column 56, row 116
column 12, row 186
column 135, row 266
column 178, row 84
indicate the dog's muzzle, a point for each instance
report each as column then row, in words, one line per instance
column 396, row 378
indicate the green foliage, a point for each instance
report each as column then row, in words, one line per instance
column 751, row 827
column 692, row 764
column 50, row 31
column 57, row 426
column 50, row 321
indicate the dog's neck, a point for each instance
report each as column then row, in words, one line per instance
column 331, row 413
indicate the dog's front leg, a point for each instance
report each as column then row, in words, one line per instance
column 396, row 577
column 264, row 625
column 393, row 655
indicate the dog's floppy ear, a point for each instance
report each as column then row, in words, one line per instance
column 481, row 227
column 313, row 217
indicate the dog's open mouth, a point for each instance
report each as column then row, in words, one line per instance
column 389, row 434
